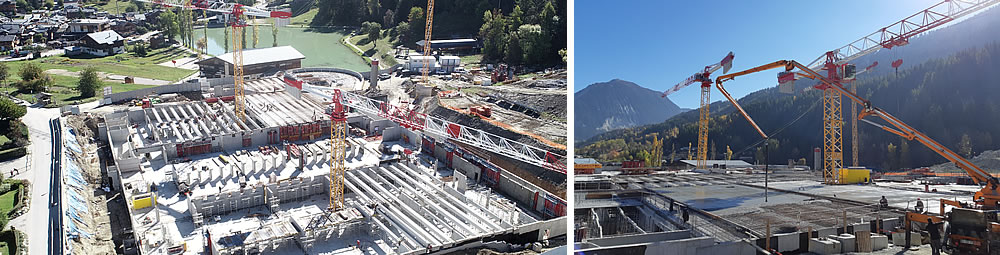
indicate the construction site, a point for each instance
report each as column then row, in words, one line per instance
column 317, row 160
column 195, row 177
column 704, row 206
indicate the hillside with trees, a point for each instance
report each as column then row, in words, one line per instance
column 950, row 99
column 518, row 32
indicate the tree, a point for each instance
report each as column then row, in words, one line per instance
column 243, row 37
column 141, row 49
column 965, row 146
column 202, row 44
column 10, row 110
column 255, row 38
column 4, row 73
column 417, row 23
column 904, row 153
column 274, row 36
column 89, row 82
column 495, row 36
column 168, row 24
column 33, row 78
column 131, row 8
column 673, row 152
column 514, row 55
column 225, row 40
column 516, row 17
column 373, row 30
column 535, row 44
column 374, row 8
column 388, row 18
column 893, row 157
column 403, row 30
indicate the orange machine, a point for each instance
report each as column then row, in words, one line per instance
column 978, row 217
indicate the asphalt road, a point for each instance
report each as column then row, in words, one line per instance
column 36, row 222
column 55, row 228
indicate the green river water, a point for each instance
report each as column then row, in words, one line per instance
column 322, row 49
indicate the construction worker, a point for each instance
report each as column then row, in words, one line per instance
column 934, row 229
column 684, row 212
column 883, row 203
column 919, row 207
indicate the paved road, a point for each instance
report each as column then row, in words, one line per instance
column 55, row 213
column 35, row 223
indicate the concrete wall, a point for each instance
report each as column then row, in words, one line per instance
column 520, row 190
column 192, row 85
column 284, row 190
column 685, row 246
column 735, row 248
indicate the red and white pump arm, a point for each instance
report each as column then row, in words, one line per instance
column 222, row 7
column 441, row 128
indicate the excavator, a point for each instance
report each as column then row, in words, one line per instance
column 975, row 228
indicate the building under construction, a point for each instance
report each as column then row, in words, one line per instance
column 197, row 178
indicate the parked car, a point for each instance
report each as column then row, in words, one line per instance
column 383, row 76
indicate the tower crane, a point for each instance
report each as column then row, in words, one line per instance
column 443, row 129
column 970, row 239
column 427, row 39
column 237, row 13
column 338, row 150
column 706, row 85
column 835, row 63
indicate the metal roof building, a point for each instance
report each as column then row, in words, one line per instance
column 255, row 61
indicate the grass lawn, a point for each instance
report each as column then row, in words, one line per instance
column 7, row 201
column 472, row 60
column 304, row 19
column 4, row 139
column 63, row 93
column 129, row 64
column 382, row 49
column 110, row 5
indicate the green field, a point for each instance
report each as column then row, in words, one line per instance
column 121, row 64
column 63, row 93
column 383, row 48
column 7, row 201
column 305, row 18
column 113, row 6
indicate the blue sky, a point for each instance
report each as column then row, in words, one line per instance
column 657, row 44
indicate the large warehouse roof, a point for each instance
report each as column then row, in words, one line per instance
column 264, row 55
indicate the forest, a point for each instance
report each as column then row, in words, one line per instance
column 950, row 99
column 530, row 32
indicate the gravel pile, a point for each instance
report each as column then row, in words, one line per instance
column 988, row 160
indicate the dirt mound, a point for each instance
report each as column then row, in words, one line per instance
column 554, row 104
column 988, row 160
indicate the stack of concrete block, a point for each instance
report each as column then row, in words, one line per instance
column 899, row 239
column 879, row 242
column 822, row 245
column 786, row 242
column 847, row 243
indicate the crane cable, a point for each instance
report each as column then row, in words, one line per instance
column 778, row 131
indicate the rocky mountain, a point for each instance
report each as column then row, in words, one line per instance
column 615, row 104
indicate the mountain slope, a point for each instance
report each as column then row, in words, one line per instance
column 615, row 104
column 946, row 98
column 944, row 89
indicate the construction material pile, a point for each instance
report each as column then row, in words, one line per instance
column 988, row 160
column 87, row 223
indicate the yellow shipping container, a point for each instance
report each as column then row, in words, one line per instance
column 143, row 201
column 854, row 175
